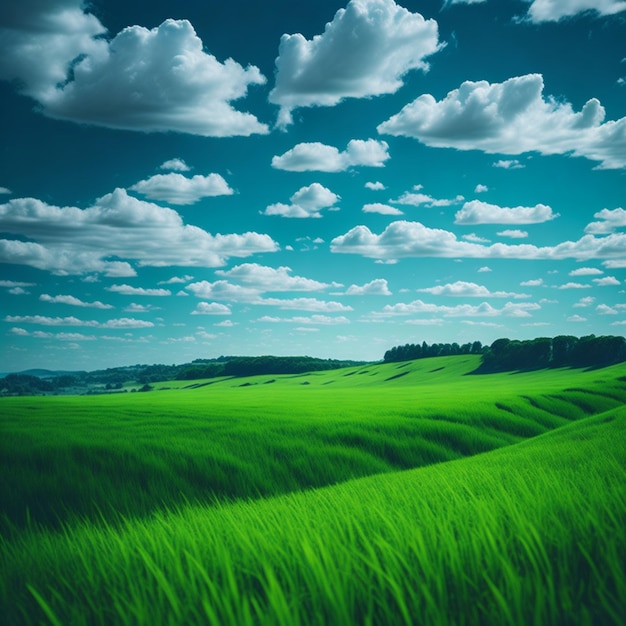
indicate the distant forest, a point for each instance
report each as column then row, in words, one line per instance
column 502, row 355
column 37, row 382
column 509, row 355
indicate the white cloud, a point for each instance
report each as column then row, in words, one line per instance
column 175, row 165
column 383, row 209
column 607, row 281
column 306, row 202
column 157, row 80
column 223, row 290
column 43, row 320
column 583, row 303
column 77, row 241
column 484, row 269
column 477, row 212
column 376, row 287
column 512, row 117
column 611, row 221
column 403, row 239
column 481, row 188
column 310, row 157
column 148, row 80
column 554, row 10
column 509, row 164
column 39, row 41
column 365, row 51
column 263, row 278
column 614, row 265
column 15, row 283
column 418, row 199
column 140, row 308
column 176, row 280
column 537, row 282
column 178, row 189
column 305, row 304
column 572, row 285
column 211, row 308
column 375, row 186
column 586, row 271
column 418, row 307
column 5, row 191
column 576, row 319
column 39, row 334
column 474, row 238
column 513, row 234
column 73, row 301
column 128, row 290
column 465, row 289
column 604, row 309
column 316, row 320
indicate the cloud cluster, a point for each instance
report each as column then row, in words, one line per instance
column 73, row 301
column 70, row 240
column 403, row 239
column 417, row 198
column 263, row 278
column 178, row 189
column 211, row 308
column 376, row 287
column 365, row 51
column 419, row 307
column 42, row 320
column 472, row 290
column 512, row 117
column 306, row 202
column 316, row 320
column 554, row 10
column 611, row 220
column 477, row 212
column 149, row 80
column 318, row 157
column 382, row 209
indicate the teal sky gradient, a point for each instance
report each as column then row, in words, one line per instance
column 495, row 132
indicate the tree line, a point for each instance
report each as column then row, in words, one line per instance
column 412, row 351
column 508, row 355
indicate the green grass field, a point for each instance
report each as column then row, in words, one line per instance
column 403, row 493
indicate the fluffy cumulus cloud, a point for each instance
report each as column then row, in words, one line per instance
column 308, row 157
column 39, row 41
column 365, row 51
column 375, row 186
column 317, row 320
column 175, row 165
column 128, row 290
column 178, row 189
column 264, row 278
column 512, row 117
column 513, row 234
column 419, row 307
column 73, row 301
column 404, row 239
column 382, row 209
column 149, row 80
column 472, row 290
column 376, row 287
column 306, row 202
column 477, row 212
column 609, row 221
column 211, row 308
column 70, row 240
column 554, row 10
column 417, row 198
column 42, row 320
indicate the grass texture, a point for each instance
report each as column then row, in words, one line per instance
column 529, row 533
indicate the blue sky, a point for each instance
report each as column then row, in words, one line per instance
column 190, row 179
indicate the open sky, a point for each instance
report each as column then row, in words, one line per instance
column 186, row 179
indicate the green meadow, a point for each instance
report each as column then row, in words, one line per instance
column 410, row 493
